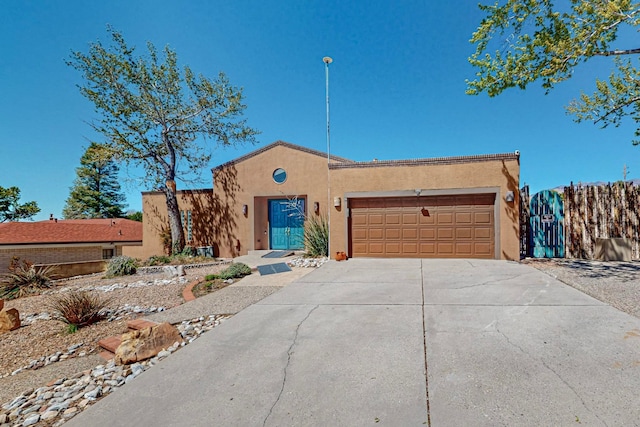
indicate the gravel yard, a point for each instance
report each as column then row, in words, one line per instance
column 614, row 283
column 40, row 350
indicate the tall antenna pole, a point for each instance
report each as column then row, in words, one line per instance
column 327, row 60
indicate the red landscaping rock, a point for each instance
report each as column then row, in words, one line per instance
column 146, row 343
column 9, row 320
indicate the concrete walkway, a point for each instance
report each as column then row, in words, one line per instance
column 399, row 342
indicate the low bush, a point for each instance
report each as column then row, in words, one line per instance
column 176, row 260
column 25, row 279
column 316, row 236
column 158, row 260
column 78, row 308
column 121, row 266
column 187, row 251
column 234, row 271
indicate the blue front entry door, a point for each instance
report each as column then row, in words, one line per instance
column 286, row 224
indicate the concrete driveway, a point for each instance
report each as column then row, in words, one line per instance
column 400, row 343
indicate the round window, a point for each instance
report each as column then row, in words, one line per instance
column 279, row 175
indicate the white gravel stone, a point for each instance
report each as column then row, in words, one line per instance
column 48, row 415
column 31, row 420
column 67, row 397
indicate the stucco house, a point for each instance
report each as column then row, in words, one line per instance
column 77, row 246
column 451, row 207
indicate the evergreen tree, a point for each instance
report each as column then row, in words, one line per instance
column 10, row 207
column 160, row 116
column 96, row 191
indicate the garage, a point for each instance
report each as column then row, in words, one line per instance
column 452, row 226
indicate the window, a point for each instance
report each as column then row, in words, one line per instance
column 187, row 224
column 279, row 175
column 107, row 253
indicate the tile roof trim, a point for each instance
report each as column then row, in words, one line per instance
column 280, row 143
column 428, row 161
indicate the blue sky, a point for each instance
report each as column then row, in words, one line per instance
column 397, row 87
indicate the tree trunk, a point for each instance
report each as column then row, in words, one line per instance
column 175, row 223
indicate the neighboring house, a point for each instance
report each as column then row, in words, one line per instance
column 451, row 207
column 78, row 246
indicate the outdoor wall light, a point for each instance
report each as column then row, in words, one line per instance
column 337, row 202
column 316, row 207
column 245, row 209
column 509, row 197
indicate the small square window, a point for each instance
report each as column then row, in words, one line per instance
column 107, row 253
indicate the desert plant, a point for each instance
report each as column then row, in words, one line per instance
column 158, row 260
column 234, row 271
column 121, row 266
column 25, row 279
column 187, row 251
column 316, row 236
column 78, row 308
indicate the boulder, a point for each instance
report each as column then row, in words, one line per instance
column 146, row 343
column 1, row 304
column 9, row 320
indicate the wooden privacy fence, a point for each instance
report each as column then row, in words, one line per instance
column 524, row 222
column 601, row 211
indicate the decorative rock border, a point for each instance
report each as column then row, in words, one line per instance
column 64, row 398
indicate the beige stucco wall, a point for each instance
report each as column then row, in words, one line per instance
column 205, row 212
column 496, row 175
column 217, row 214
column 219, row 220
column 136, row 251
column 306, row 179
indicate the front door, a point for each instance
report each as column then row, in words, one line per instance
column 286, row 224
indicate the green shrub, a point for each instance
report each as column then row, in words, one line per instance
column 234, row 271
column 158, row 260
column 316, row 236
column 188, row 251
column 78, row 308
column 25, row 279
column 121, row 266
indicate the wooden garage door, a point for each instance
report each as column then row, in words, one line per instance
column 423, row 227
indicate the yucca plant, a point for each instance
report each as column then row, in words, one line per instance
column 78, row 308
column 316, row 236
column 25, row 279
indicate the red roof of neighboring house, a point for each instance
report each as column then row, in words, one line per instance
column 71, row 231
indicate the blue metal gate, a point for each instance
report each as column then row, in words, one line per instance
column 547, row 225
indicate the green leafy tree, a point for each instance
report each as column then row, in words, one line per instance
column 134, row 216
column 10, row 207
column 523, row 41
column 96, row 192
column 156, row 114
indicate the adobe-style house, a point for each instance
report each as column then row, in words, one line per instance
column 77, row 246
column 453, row 207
